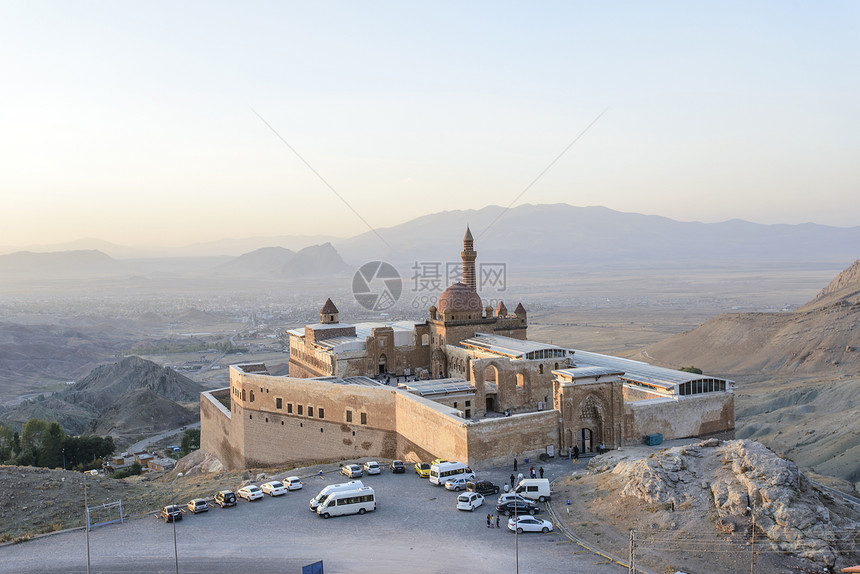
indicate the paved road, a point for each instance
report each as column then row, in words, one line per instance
column 416, row 527
column 139, row 446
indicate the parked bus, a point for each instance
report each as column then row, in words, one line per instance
column 357, row 501
column 324, row 493
column 443, row 471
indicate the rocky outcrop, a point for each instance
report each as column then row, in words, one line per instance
column 740, row 483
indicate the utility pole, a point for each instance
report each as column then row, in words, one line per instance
column 632, row 558
column 752, row 538
column 87, row 514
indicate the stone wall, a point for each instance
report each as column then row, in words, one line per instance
column 689, row 416
column 218, row 434
column 499, row 440
column 428, row 430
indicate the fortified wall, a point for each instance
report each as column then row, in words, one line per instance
column 273, row 421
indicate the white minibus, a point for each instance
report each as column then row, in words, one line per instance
column 443, row 471
column 320, row 498
column 356, row 501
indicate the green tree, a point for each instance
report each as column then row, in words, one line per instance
column 51, row 452
column 7, row 444
column 190, row 440
column 694, row 370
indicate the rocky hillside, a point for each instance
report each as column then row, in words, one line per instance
column 125, row 400
column 820, row 338
column 707, row 497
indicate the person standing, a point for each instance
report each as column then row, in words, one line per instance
column 541, row 472
column 532, row 472
column 488, row 520
column 575, row 453
column 512, row 482
column 515, row 465
column 497, row 521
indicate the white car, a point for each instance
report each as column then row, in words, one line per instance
column 250, row 492
column 372, row 467
column 293, row 483
column 274, row 488
column 529, row 524
column 469, row 501
column 456, row 484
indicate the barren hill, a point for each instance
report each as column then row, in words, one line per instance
column 821, row 338
column 124, row 399
column 798, row 374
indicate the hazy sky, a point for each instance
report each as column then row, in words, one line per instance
column 135, row 122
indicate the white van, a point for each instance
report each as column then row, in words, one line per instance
column 534, row 488
column 325, row 492
column 357, row 501
column 443, row 471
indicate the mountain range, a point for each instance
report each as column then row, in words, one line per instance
column 528, row 236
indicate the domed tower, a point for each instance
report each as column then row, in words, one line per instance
column 459, row 302
column 329, row 313
column 469, row 255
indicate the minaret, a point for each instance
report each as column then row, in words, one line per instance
column 469, row 255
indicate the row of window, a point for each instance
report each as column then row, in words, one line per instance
column 699, row 387
column 300, row 409
column 355, row 500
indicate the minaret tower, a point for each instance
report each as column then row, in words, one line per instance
column 469, row 255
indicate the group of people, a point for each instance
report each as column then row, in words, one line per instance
column 493, row 521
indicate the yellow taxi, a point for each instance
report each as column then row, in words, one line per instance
column 422, row 469
column 438, row 461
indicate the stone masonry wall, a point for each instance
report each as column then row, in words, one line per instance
column 499, row 440
column 696, row 415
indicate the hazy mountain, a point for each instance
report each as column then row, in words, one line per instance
column 314, row 261
column 528, row 236
column 61, row 263
column 565, row 235
column 262, row 262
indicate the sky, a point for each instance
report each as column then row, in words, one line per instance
column 171, row 123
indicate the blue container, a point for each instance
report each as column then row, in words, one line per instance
column 653, row 439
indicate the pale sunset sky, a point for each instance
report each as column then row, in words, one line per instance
column 136, row 122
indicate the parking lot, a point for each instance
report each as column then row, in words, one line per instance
column 416, row 527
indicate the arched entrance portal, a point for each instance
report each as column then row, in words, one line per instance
column 584, row 440
column 382, row 364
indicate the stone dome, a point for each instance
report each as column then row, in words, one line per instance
column 459, row 298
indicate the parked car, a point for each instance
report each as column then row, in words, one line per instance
column 469, row 501
column 422, row 469
column 351, row 470
column 508, row 496
column 250, row 492
column 397, row 467
column 437, row 461
column 225, row 498
column 372, row 467
column 171, row 513
column 198, row 505
column 274, row 488
column 293, row 483
column 512, row 507
column 484, row 487
column 529, row 524
column 456, row 484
